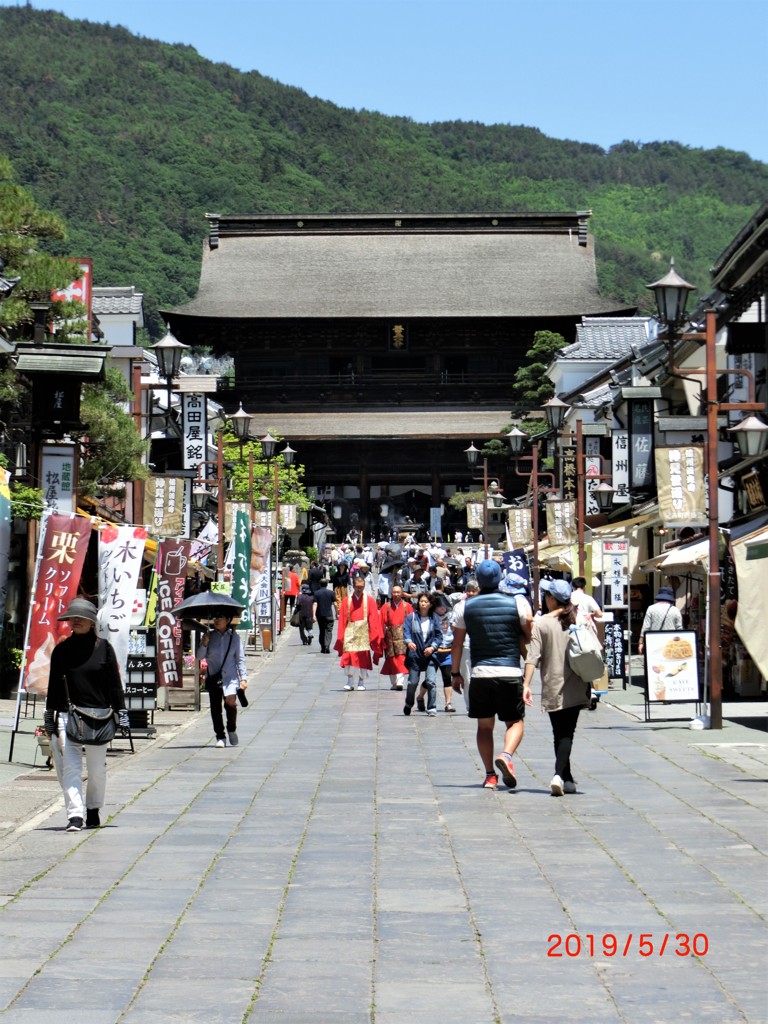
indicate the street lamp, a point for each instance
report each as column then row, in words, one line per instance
column 169, row 352
column 241, row 424
column 472, row 454
column 671, row 296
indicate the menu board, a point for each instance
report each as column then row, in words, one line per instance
column 671, row 666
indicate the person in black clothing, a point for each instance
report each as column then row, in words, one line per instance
column 326, row 607
column 89, row 664
column 305, row 605
column 315, row 577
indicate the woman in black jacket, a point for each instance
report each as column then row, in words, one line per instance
column 305, row 605
column 89, row 665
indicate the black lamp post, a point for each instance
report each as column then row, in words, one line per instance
column 472, row 454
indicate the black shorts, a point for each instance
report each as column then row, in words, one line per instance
column 497, row 696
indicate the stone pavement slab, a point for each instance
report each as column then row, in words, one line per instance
column 344, row 865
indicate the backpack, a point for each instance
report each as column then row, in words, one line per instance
column 585, row 654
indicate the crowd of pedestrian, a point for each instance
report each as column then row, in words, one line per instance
column 444, row 622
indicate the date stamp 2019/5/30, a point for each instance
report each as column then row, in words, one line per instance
column 644, row 944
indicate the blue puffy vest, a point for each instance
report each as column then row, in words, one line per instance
column 493, row 627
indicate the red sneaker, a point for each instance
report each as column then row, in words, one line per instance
column 491, row 781
column 504, row 763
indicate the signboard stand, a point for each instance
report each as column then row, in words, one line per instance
column 141, row 678
column 671, row 670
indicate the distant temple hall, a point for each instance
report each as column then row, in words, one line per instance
column 382, row 345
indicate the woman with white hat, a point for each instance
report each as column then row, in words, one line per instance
column 83, row 672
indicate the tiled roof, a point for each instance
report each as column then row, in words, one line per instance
column 399, row 266
column 117, row 300
column 608, row 337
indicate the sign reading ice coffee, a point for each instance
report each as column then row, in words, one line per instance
column 671, row 666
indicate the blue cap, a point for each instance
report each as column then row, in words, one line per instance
column 488, row 574
column 561, row 590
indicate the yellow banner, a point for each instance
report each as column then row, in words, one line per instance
column 164, row 506
column 561, row 522
column 680, row 482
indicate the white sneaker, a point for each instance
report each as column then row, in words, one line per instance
column 432, row 712
column 233, row 740
column 220, row 743
column 360, row 686
column 569, row 787
column 348, row 686
column 556, row 786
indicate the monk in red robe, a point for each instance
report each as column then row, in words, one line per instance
column 359, row 635
column 393, row 615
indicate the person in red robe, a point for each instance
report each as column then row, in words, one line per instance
column 359, row 635
column 393, row 616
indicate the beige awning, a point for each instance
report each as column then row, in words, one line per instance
column 693, row 556
column 750, row 555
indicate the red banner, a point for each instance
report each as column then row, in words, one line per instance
column 171, row 568
column 63, row 545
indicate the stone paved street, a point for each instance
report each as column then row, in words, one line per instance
column 343, row 865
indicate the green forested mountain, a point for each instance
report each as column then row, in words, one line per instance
column 131, row 141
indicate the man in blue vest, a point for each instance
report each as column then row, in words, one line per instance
column 496, row 686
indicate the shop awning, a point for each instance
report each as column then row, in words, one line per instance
column 687, row 556
column 750, row 555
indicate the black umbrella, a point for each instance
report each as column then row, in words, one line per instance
column 208, row 604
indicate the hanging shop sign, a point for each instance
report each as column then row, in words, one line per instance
column 620, row 466
column 520, row 528
column 681, row 492
column 58, row 472
column 164, row 505
column 561, row 522
column 641, row 449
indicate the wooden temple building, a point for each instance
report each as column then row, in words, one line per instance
column 382, row 345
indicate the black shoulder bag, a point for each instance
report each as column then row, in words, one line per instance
column 92, row 727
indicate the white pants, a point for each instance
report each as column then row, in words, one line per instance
column 354, row 672
column 399, row 679
column 68, row 763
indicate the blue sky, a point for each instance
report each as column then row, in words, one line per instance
column 596, row 71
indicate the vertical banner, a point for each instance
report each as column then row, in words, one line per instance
column 561, row 522
column 80, row 291
column 620, row 466
column 164, row 505
column 520, row 528
column 58, row 468
column 206, row 539
column 171, row 567
column 120, row 554
column 517, row 562
column 261, row 549
column 60, row 558
column 474, row 515
column 241, row 576
column 680, row 477
column 5, row 539
column 615, row 561
column 288, row 517
column 195, row 431
column 593, row 467
column 641, row 452
column 568, row 474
